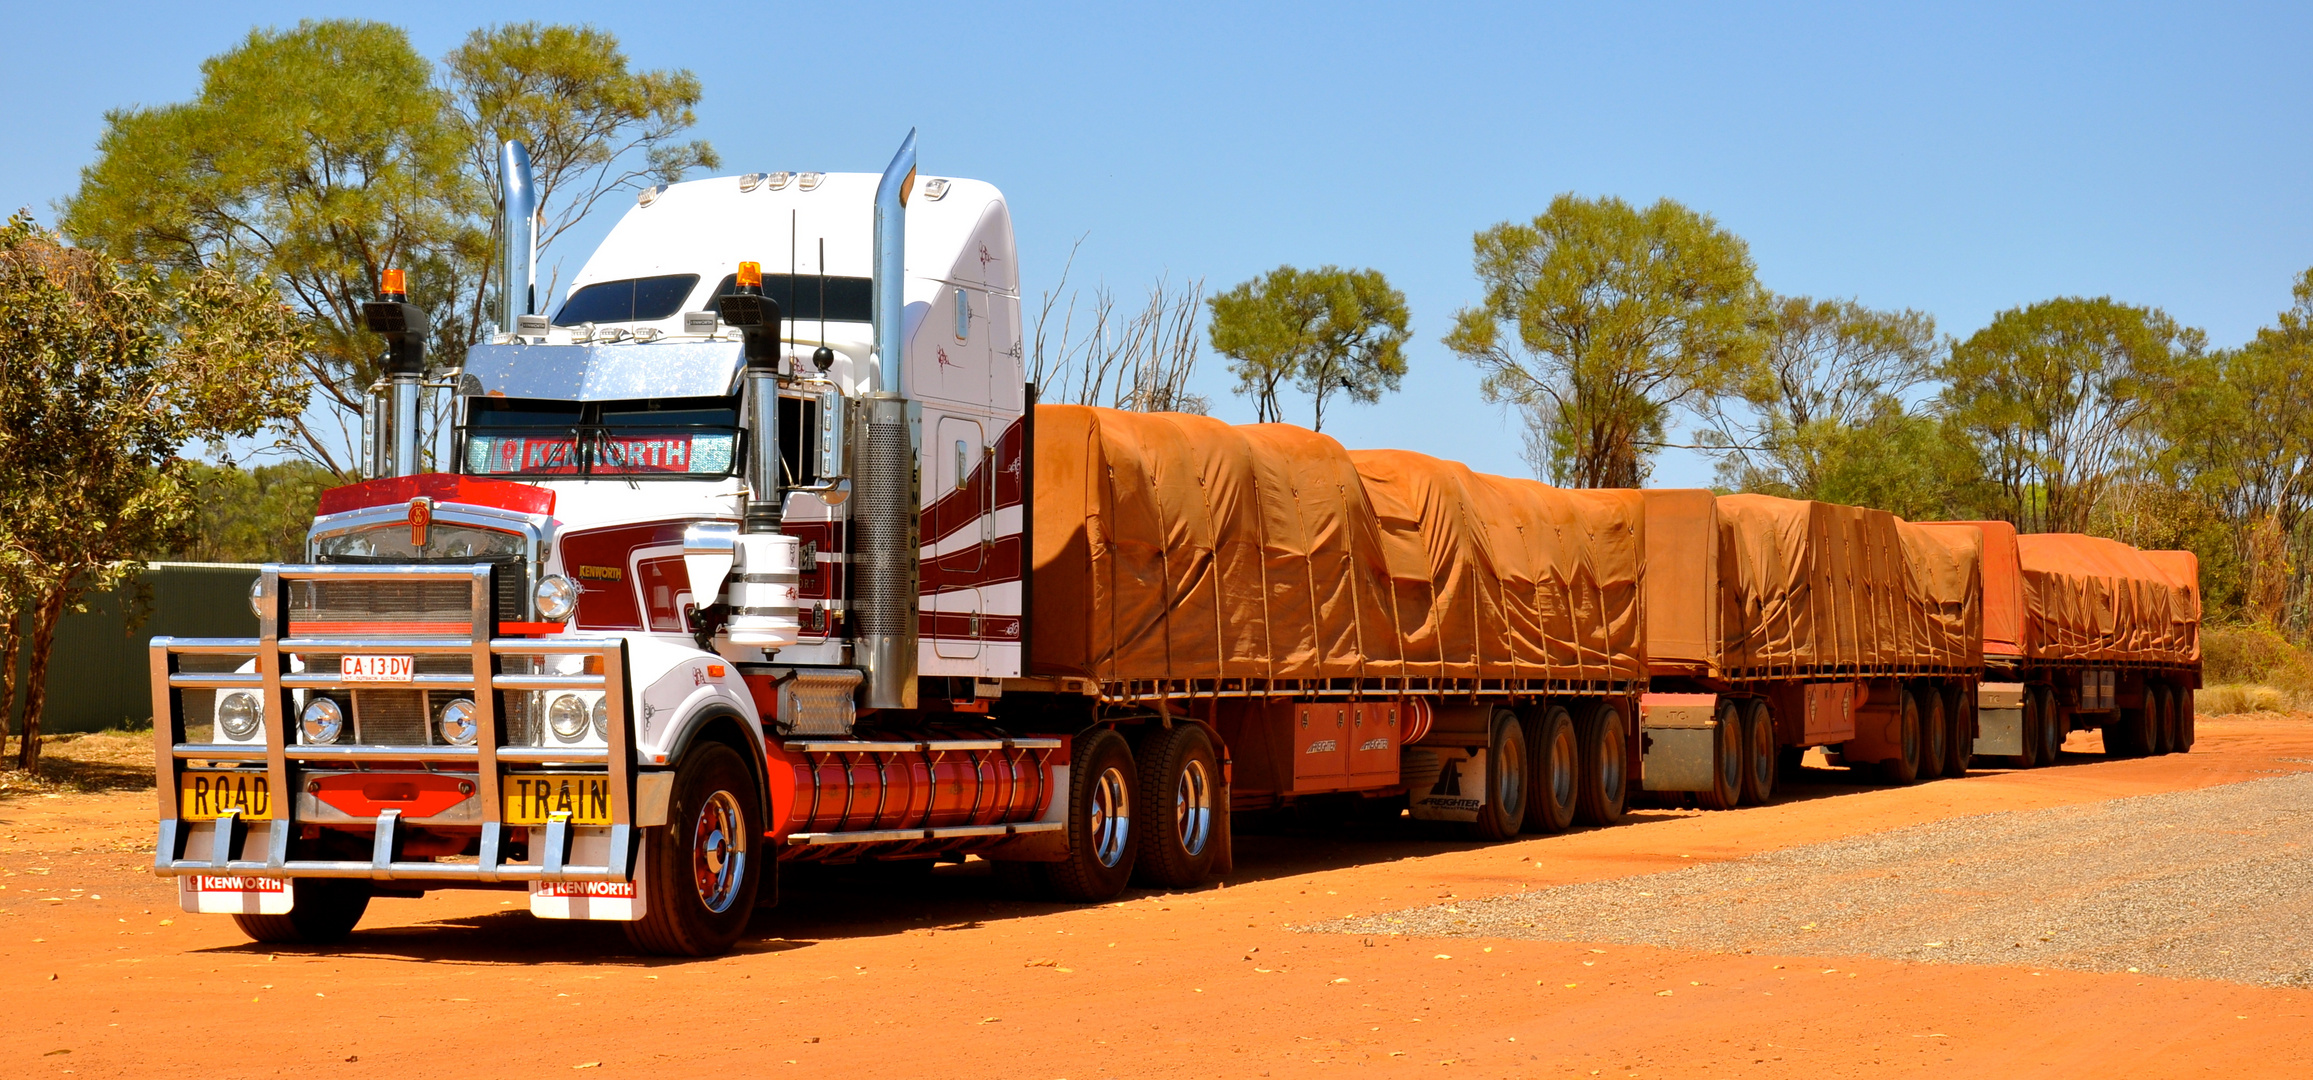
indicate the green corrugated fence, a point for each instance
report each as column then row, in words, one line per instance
column 100, row 673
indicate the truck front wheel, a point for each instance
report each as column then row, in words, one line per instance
column 1180, row 793
column 325, row 910
column 702, row 865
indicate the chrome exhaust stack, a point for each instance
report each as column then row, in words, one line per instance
column 887, row 483
column 518, row 224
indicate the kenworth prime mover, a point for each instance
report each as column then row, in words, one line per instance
column 733, row 567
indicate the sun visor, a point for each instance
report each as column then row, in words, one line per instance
column 603, row 372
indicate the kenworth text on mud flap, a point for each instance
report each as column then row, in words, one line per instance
column 733, row 567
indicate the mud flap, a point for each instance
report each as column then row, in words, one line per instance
column 600, row 901
column 235, row 894
column 1445, row 783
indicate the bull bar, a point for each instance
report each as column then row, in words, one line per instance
column 273, row 682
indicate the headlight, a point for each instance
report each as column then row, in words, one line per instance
column 457, row 722
column 257, row 597
column 602, row 718
column 324, row 721
column 556, row 597
column 238, row 714
column 567, row 716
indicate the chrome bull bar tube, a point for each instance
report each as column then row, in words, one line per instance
column 273, row 683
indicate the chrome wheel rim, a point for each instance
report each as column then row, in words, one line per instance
column 1564, row 753
column 1111, row 823
column 719, row 852
column 1193, row 807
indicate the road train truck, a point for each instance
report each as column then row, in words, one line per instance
column 723, row 567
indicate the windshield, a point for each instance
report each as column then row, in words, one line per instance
column 849, row 299
column 684, row 437
column 629, row 300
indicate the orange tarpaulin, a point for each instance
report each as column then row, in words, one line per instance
column 1820, row 588
column 2089, row 598
column 1171, row 546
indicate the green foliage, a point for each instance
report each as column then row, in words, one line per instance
column 105, row 372
column 318, row 157
column 1599, row 319
column 1830, row 370
column 315, row 159
column 566, row 92
column 254, row 515
column 1328, row 330
column 2056, row 397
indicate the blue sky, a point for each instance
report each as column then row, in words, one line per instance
column 1959, row 160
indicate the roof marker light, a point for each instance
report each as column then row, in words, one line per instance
column 750, row 181
column 779, row 179
column 649, row 195
column 934, row 188
column 751, row 274
column 809, row 180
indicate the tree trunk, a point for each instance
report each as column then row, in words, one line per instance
column 8, row 655
column 45, row 618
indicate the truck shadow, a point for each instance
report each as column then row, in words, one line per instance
column 832, row 903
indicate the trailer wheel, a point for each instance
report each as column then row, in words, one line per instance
column 325, row 910
column 1904, row 767
column 1960, row 743
column 2035, row 718
column 704, row 865
column 1180, row 793
column 2157, row 699
column 1932, row 732
column 2057, row 728
column 1101, row 851
column 1605, row 765
column 1557, row 772
column 2184, row 717
column 1726, row 790
column 1507, row 780
column 1759, row 753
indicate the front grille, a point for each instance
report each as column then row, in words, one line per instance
column 390, row 717
column 385, row 608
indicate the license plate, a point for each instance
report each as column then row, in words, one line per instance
column 534, row 800
column 207, row 796
column 376, row 668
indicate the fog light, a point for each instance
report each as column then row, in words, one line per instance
column 457, row 722
column 556, row 597
column 602, row 718
column 567, row 716
column 324, row 721
column 238, row 714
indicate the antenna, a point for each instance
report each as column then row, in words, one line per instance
column 791, row 238
column 822, row 357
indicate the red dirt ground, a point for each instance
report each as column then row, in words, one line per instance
column 937, row 976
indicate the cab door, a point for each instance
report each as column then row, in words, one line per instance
column 955, row 548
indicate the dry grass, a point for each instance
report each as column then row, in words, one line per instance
column 98, row 761
column 2232, row 698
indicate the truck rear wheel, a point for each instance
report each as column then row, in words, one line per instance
column 1759, row 753
column 703, row 865
column 1504, row 811
column 2182, row 698
column 1557, row 772
column 2156, row 700
column 325, row 910
column 2056, row 726
column 1101, row 851
column 1960, row 744
column 1932, row 732
column 1726, row 790
column 1904, row 767
column 2036, row 717
column 1180, row 789
column 1605, row 781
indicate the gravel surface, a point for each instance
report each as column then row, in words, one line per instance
column 2214, row 883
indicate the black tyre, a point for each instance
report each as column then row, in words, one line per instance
column 1101, row 849
column 1556, row 770
column 1180, row 793
column 1507, row 780
column 1726, row 790
column 1960, row 743
column 1760, row 756
column 2184, row 719
column 1604, row 738
column 325, row 910
column 2057, row 728
column 2164, row 719
column 1934, row 730
column 2035, row 718
column 705, row 863
column 1904, row 767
